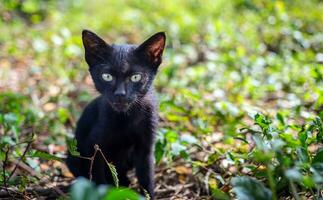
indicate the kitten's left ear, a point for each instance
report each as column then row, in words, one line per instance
column 153, row 48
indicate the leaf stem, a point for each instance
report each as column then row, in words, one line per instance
column 21, row 157
column 271, row 182
column 294, row 190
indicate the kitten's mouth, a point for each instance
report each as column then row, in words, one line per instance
column 120, row 107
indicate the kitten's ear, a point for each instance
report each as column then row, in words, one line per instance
column 94, row 46
column 91, row 41
column 153, row 48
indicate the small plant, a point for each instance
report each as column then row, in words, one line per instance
column 18, row 126
column 83, row 189
column 283, row 153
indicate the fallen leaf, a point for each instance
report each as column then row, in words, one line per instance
column 49, row 107
column 183, row 170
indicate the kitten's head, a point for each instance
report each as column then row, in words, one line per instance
column 123, row 73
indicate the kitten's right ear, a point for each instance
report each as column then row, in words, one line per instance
column 94, row 47
column 92, row 42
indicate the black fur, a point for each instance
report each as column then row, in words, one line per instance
column 123, row 119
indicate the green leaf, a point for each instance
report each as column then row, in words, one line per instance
column 159, row 151
column 317, row 170
column 308, row 182
column 177, row 148
column 83, row 189
column 63, row 115
column 293, row 174
column 219, row 195
column 189, row 139
column 318, row 125
column 280, row 118
column 302, row 154
column 2, row 155
column 303, row 137
column 171, row 136
column 290, row 140
column 160, row 146
column 247, row 188
column 45, row 155
column 114, row 174
column 121, row 194
column 262, row 121
column 318, row 157
column 72, row 146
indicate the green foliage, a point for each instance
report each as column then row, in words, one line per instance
column 85, row 190
column 20, row 124
column 170, row 144
column 284, row 151
column 121, row 194
column 46, row 156
column 72, row 146
column 218, row 194
column 114, row 173
column 247, row 188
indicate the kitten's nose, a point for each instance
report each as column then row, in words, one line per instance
column 120, row 91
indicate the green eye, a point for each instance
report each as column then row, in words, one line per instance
column 107, row 77
column 135, row 78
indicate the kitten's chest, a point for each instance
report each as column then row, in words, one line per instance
column 123, row 133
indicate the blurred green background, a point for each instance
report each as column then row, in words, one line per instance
column 224, row 62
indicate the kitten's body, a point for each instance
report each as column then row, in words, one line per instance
column 121, row 121
column 121, row 144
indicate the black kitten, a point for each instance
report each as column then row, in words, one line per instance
column 123, row 119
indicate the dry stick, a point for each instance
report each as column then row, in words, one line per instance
column 27, row 168
column 92, row 161
column 23, row 155
column 92, row 158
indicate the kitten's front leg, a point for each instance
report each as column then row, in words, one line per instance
column 144, row 164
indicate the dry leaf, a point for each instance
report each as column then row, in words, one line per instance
column 49, row 107
column 183, row 170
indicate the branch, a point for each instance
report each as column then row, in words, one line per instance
column 23, row 155
column 111, row 166
column 92, row 161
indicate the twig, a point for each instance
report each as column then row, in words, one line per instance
column 23, row 155
column 27, row 168
column 92, row 161
column 98, row 149
column 4, row 169
column 23, row 142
